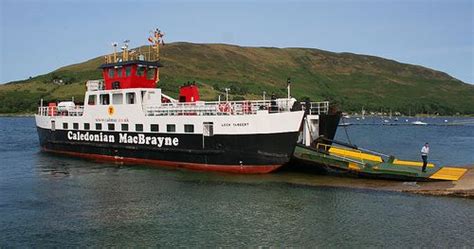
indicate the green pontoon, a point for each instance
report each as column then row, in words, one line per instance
column 349, row 159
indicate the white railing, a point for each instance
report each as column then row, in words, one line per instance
column 317, row 108
column 220, row 108
column 250, row 107
column 95, row 85
column 54, row 111
column 147, row 53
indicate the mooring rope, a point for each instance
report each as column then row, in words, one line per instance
column 345, row 130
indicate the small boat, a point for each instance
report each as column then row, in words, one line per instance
column 344, row 124
column 418, row 123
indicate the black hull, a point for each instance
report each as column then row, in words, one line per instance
column 328, row 126
column 256, row 153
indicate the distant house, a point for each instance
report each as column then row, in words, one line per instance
column 58, row 81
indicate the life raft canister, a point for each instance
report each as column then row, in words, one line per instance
column 247, row 107
column 52, row 109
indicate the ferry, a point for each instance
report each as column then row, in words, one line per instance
column 127, row 118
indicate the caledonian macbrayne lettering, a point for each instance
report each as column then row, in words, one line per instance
column 123, row 138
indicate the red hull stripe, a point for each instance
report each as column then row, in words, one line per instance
column 245, row 169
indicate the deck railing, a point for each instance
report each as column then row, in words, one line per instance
column 358, row 159
column 54, row 111
column 251, row 107
column 147, row 53
column 316, row 108
column 219, row 107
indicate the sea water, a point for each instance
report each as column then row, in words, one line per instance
column 54, row 201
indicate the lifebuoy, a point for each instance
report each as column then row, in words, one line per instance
column 224, row 107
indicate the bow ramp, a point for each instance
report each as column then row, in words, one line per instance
column 449, row 173
column 367, row 163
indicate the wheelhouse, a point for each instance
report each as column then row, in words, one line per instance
column 130, row 74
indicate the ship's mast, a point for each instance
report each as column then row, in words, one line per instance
column 114, row 44
column 132, row 68
column 156, row 38
column 153, row 54
column 125, row 50
column 288, row 87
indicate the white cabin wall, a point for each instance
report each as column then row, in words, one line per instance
column 152, row 97
column 260, row 123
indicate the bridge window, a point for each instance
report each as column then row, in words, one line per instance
column 128, row 71
column 117, row 98
column 130, row 98
column 87, row 126
column 138, row 127
column 171, row 128
column 119, row 72
column 104, row 99
column 124, row 127
column 150, row 73
column 111, row 72
column 98, row 126
column 140, row 71
column 75, row 126
column 111, row 127
column 154, row 128
column 189, row 128
column 65, row 126
column 92, row 99
column 116, row 85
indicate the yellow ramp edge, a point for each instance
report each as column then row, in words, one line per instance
column 449, row 173
column 354, row 166
column 356, row 154
column 411, row 163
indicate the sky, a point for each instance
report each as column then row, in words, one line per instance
column 38, row 36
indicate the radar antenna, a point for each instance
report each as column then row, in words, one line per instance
column 125, row 50
column 114, row 45
column 156, row 38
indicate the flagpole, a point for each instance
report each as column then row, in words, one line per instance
column 288, row 81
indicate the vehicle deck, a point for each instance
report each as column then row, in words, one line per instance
column 360, row 163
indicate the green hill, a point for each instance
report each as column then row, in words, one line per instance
column 350, row 80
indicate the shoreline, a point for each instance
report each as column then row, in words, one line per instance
column 463, row 188
column 13, row 115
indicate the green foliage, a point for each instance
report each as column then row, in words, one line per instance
column 350, row 81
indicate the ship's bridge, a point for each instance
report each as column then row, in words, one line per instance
column 135, row 68
column 130, row 74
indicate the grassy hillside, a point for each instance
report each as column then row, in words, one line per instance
column 351, row 80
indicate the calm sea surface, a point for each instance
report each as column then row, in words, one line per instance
column 52, row 201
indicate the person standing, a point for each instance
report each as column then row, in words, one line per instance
column 425, row 150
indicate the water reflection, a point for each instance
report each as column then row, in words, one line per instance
column 119, row 204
